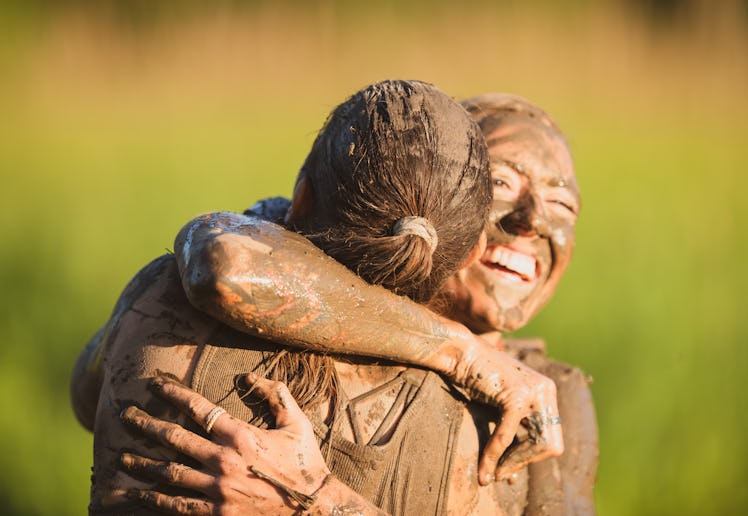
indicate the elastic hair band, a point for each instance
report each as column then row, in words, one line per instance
column 418, row 226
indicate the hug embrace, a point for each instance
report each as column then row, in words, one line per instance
column 341, row 352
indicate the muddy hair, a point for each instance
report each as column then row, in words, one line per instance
column 400, row 193
column 492, row 110
column 395, row 150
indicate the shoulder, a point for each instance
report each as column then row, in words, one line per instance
column 567, row 480
column 161, row 267
column 533, row 352
column 153, row 291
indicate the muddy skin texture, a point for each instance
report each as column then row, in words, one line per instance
column 263, row 280
column 345, row 505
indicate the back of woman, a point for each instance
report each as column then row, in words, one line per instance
column 396, row 188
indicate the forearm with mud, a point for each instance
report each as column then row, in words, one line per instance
column 264, row 280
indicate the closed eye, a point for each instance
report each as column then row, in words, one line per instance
column 564, row 204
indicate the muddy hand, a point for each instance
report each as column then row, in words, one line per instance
column 246, row 470
column 525, row 398
column 539, row 440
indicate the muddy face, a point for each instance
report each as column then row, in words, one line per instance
column 530, row 230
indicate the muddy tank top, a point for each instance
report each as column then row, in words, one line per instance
column 409, row 474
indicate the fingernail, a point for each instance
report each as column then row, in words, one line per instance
column 127, row 413
column 487, row 479
column 125, row 459
column 157, row 384
column 251, row 377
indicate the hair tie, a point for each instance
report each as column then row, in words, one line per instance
column 417, row 226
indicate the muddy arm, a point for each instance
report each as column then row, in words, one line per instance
column 264, row 280
column 578, row 466
column 564, row 485
column 85, row 381
column 261, row 279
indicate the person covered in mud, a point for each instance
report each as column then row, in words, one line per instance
column 419, row 148
column 531, row 235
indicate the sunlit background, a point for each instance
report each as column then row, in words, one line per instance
column 119, row 121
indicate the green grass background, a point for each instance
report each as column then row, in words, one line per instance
column 120, row 121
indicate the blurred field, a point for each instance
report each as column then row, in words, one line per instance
column 117, row 125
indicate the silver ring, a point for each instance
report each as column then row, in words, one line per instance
column 555, row 420
column 212, row 416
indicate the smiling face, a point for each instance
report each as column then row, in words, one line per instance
column 530, row 230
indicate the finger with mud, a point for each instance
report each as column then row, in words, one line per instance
column 171, row 435
column 288, row 415
column 164, row 472
column 173, row 504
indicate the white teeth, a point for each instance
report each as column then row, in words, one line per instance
column 520, row 263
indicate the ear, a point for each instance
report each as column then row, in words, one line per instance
column 476, row 252
column 301, row 202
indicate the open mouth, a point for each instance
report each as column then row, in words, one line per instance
column 511, row 264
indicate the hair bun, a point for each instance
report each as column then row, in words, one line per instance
column 418, row 226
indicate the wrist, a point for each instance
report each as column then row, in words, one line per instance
column 302, row 500
column 320, row 497
column 455, row 352
column 325, row 497
column 331, row 495
column 334, row 497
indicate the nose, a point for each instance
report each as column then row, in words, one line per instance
column 527, row 218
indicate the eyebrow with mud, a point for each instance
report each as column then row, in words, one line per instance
column 511, row 164
column 568, row 184
column 530, row 132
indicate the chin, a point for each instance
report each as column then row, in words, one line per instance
column 511, row 302
column 510, row 320
column 511, row 325
column 487, row 314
